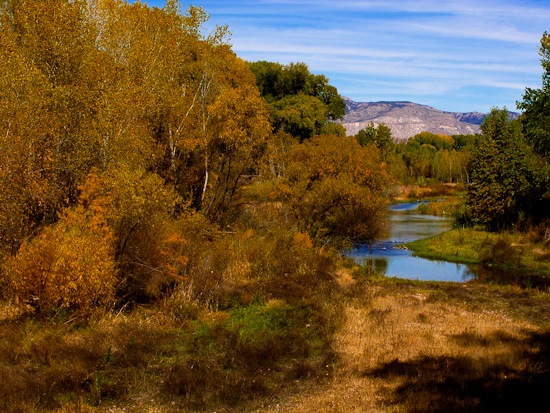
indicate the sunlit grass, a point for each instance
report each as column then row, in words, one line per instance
column 460, row 245
column 509, row 250
column 412, row 346
column 445, row 207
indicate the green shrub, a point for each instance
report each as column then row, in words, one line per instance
column 500, row 253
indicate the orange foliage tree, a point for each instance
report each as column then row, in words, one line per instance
column 337, row 189
column 69, row 265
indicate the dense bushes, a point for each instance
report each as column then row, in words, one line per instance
column 247, row 313
column 70, row 265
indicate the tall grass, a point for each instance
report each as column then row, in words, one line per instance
column 430, row 191
column 446, row 207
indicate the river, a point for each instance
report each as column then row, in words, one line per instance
column 389, row 258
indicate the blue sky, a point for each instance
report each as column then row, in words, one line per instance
column 467, row 55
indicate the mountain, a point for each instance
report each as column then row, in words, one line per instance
column 406, row 119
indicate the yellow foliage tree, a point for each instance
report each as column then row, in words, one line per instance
column 240, row 131
column 70, row 265
column 48, row 95
column 136, row 205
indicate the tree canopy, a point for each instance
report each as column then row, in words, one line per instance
column 300, row 102
column 131, row 125
column 380, row 136
column 536, row 106
column 337, row 190
column 121, row 111
column 505, row 182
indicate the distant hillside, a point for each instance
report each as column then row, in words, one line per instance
column 406, row 119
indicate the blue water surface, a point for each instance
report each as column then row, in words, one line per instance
column 390, row 259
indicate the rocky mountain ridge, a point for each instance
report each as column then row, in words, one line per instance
column 406, row 119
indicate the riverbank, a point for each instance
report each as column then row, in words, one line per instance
column 442, row 200
column 406, row 193
column 528, row 253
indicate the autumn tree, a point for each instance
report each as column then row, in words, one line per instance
column 198, row 101
column 240, row 129
column 438, row 141
column 165, row 84
column 70, row 265
column 47, row 100
column 124, row 129
column 337, row 190
column 99, row 84
column 128, row 110
column 138, row 207
column 448, row 159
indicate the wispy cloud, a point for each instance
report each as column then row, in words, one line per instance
column 459, row 55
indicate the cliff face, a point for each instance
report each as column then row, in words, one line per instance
column 406, row 119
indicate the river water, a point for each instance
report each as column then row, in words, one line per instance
column 390, row 259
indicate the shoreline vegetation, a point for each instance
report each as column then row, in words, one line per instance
column 526, row 252
column 505, row 258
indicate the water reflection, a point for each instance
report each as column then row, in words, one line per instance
column 389, row 258
column 416, row 268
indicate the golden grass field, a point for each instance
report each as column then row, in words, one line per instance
column 408, row 347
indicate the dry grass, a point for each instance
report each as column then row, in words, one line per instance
column 421, row 348
column 407, row 192
column 400, row 347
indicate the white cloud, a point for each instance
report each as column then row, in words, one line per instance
column 453, row 51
